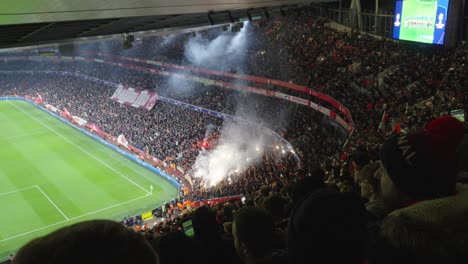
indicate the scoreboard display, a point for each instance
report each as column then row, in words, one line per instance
column 420, row 20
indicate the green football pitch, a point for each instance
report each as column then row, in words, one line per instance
column 52, row 175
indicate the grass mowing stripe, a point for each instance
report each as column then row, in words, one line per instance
column 69, row 141
column 52, row 202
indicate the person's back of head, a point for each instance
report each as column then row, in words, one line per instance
column 360, row 159
column 307, row 185
column 249, row 202
column 97, row 241
column 265, row 191
column 328, row 227
column 253, row 231
column 208, row 234
column 204, row 224
column 286, row 192
column 176, row 247
column 228, row 212
column 276, row 206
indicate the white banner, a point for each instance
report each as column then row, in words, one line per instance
column 51, row 108
column 134, row 97
column 78, row 120
column 122, row 140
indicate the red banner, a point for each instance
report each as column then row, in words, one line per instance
column 38, row 98
column 213, row 202
column 66, row 114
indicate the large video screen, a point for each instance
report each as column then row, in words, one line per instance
column 420, row 20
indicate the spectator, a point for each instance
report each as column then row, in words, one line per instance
column 308, row 184
column 262, row 195
column 276, row 206
column 368, row 178
column 327, row 227
column 227, row 228
column 359, row 160
column 208, row 234
column 249, row 202
column 97, row 241
column 176, row 247
column 253, row 231
column 428, row 222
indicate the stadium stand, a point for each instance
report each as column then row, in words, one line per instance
column 401, row 157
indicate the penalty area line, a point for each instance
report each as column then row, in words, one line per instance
column 19, row 190
column 71, row 219
column 52, row 202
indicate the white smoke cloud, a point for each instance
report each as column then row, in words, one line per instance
column 240, row 145
column 176, row 86
column 225, row 52
column 168, row 40
column 209, row 129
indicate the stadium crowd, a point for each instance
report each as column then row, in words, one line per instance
column 394, row 194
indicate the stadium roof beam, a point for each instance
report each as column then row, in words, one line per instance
column 30, row 24
column 159, row 22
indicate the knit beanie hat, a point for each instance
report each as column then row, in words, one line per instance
column 422, row 164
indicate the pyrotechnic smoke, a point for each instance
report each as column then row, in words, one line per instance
column 167, row 40
column 225, row 52
column 179, row 87
column 240, row 145
column 209, row 129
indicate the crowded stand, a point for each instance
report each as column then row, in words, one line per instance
column 389, row 191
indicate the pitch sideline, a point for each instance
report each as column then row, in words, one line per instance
column 80, row 148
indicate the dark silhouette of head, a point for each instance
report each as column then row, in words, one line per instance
column 253, row 231
column 172, row 244
column 327, row 225
column 97, row 241
column 204, row 224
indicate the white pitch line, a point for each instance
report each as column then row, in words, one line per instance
column 109, row 207
column 91, row 155
column 71, row 219
column 52, row 202
column 19, row 190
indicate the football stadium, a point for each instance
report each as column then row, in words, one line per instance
column 239, row 132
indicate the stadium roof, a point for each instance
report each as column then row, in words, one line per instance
column 32, row 22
